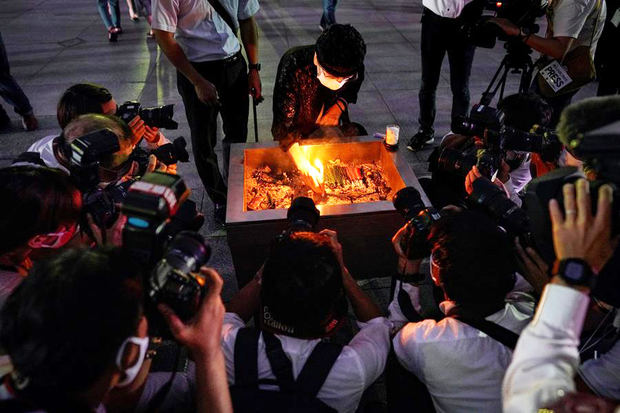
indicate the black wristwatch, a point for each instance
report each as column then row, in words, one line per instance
column 574, row 271
column 254, row 66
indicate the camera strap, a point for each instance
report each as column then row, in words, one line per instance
column 219, row 9
column 493, row 330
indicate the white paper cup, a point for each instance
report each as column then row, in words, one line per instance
column 391, row 135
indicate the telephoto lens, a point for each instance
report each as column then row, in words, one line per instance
column 302, row 215
column 408, row 202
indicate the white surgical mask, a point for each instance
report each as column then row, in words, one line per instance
column 328, row 81
column 132, row 372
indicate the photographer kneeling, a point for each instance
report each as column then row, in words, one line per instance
column 571, row 24
column 301, row 298
column 471, row 261
column 75, row 329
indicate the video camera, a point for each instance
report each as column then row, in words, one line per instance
column 487, row 123
column 156, row 117
column 523, row 13
column 419, row 218
column 174, row 255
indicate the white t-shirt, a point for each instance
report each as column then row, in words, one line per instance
column 577, row 19
column 45, row 148
column 360, row 363
column 461, row 366
column 200, row 31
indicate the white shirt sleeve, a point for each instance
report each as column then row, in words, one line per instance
column 569, row 17
column 247, row 9
column 372, row 345
column 165, row 15
column 546, row 357
column 603, row 374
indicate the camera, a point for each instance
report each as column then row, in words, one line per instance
column 492, row 200
column 302, row 215
column 175, row 280
column 85, row 154
column 171, row 252
column 523, row 13
column 167, row 154
column 487, row 123
column 156, row 117
column 420, row 218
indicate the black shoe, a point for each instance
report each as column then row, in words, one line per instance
column 112, row 36
column 5, row 121
column 419, row 140
column 219, row 214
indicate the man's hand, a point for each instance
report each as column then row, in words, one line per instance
column 576, row 234
column 506, row 25
column 335, row 244
column 109, row 236
column 206, row 92
column 138, row 128
column 202, row 334
column 533, row 268
column 255, row 87
column 331, row 117
column 405, row 265
column 475, row 174
column 151, row 134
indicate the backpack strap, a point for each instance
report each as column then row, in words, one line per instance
column 246, row 357
column 317, row 368
column 224, row 14
column 493, row 330
column 280, row 363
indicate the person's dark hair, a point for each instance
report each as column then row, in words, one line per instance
column 64, row 324
column 302, row 281
column 35, row 200
column 81, row 99
column 475, row 260
column 341, row 50
column 524, row 110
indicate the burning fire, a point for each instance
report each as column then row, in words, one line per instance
column 313, row 170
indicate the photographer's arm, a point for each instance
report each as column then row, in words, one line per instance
column 364, row 308
column 205, row 90
column 246, row 302
column 554, row 47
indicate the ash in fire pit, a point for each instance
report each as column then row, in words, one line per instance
column 345, row 183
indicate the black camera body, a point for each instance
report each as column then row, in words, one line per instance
column 85, row 154
column 487, row 123
column 173, row 256
column 156, row 117
column 419, row 218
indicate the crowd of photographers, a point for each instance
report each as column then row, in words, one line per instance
column 504, row 296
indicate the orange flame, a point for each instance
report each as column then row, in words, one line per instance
column 313, row 169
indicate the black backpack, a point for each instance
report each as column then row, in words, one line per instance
column 294, row 395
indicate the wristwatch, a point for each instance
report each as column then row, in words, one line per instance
column 574, row 271
column 254, row 66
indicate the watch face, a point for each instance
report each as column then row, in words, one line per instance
column 575, row 272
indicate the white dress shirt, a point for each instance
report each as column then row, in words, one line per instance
column 546, row 357
column 361, row 362
column 200, row 31
column 446, row 8
column 461, row 366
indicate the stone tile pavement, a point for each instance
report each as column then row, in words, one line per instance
column 53, row 44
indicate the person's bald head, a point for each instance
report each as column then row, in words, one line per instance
column 91, row 122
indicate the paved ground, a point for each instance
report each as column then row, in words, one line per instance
column 53, row 44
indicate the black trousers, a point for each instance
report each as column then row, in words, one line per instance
column 230, row 77
column 9, row 89
column 441, row 35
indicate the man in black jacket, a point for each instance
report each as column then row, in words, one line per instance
column 315, row 84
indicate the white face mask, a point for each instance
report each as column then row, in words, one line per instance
column 132, row 372
column 328, row 81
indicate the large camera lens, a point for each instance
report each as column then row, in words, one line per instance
column 159, row 117
column 302, row 215
column 487, row 195
column 408, row 202
column 451, row 160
